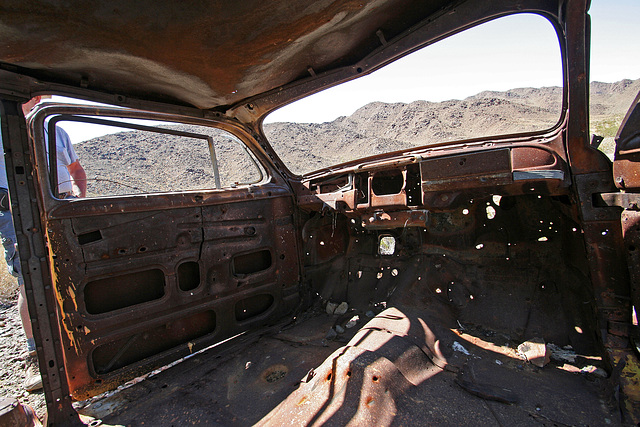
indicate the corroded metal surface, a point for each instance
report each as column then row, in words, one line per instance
column 457, row 253
column 627, row 155
column 360, row 382
column 205, row 55
column 145, row 293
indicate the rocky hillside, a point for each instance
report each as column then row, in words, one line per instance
column 132, row 162
column 155, row 162
column 380, row 127
column 608, row 106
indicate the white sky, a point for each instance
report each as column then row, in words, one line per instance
column 511, row 52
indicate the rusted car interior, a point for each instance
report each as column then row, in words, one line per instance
column 447, row 255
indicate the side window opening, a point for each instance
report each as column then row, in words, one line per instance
column 135, row 156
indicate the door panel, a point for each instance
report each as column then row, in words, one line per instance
column 143, row 280
column 626, row 173
column 139, row 289
column 627, row 154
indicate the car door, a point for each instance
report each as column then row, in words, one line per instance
column 186, row 238
column 626, row 171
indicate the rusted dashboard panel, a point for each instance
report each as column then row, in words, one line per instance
column 435, row 181
column 186, row 279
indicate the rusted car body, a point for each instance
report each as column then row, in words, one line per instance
column 123, row 285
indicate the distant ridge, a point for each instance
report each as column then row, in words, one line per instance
column 374, row 128
column 381, row 127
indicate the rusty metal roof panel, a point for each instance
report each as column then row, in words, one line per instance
column 206, row 54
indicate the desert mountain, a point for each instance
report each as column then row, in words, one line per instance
column 132, row 161
column 380, row 127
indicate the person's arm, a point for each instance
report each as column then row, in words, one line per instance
column 79, row 177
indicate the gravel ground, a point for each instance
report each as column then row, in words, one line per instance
column 13, row 351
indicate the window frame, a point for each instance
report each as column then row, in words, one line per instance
column 49, row 114
column 373, row 65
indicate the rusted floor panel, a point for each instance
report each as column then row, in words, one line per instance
column 250, row 380
column 236, row 386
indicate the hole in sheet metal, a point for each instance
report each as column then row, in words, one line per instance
column 112, row 293
column 90, row 237
column 491, row 212
column 387, row 182
column 387, row 245
column 188, row 275
column 252, row 262
column 274, row 373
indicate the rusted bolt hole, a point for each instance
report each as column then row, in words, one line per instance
column 142, row 249
column 329, row 376
column 348, row 373
column 375, row 378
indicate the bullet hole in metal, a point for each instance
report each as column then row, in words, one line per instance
column 491, row 212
